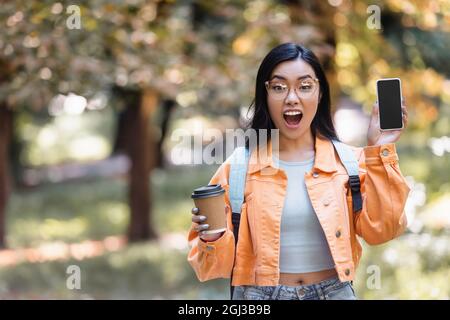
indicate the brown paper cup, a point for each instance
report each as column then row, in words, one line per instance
column 210, row 200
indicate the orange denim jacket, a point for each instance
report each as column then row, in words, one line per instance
column 382, row 218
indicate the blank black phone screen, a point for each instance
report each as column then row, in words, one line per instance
column 390, row 104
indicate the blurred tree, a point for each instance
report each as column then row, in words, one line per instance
column 191, row 52
column 412, row 44
column 202, row 55
column 134, row 138
column 44, row 56
column 5, row 134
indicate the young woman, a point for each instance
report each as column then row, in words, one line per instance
column 297, row 236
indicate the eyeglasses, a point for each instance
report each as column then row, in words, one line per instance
column 304, row 90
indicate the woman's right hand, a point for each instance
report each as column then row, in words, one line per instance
column 202, row 226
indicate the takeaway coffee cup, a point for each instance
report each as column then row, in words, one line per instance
column 210, row 200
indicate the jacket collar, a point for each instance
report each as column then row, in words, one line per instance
column 325, row 159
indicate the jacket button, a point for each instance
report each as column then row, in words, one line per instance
column 338, row 234
column 347, row 272
column 326, row 202
column 385, row 152
column 301, row 292
column 315, row 174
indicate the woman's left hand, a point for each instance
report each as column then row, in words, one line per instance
column 377, row 137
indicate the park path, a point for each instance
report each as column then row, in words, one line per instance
column 61, row 251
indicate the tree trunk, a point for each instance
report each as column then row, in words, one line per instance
column 133, row 137
column 6, row 118
column 167, row 110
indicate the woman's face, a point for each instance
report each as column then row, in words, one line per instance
column 292, row 114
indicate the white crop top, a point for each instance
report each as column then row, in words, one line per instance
column 303, row 246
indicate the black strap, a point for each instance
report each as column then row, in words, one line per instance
column 236, row 220
column 355, row 187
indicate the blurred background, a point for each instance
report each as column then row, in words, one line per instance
column 91, row 93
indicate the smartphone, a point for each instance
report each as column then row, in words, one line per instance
column 389, row 93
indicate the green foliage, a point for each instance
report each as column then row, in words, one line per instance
column 141, row 271
column 77, row 211
column 415, row 266
column 94, row 209
column 55, row 140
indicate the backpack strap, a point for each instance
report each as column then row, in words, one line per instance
column 350, row 163
column 238, row 174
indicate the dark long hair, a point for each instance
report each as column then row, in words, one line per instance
column 322, row 124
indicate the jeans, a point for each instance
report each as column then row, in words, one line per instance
column 329, row 289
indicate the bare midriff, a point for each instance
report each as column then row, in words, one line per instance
column 300, row 279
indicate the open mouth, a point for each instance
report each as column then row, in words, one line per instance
column 292, row 117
